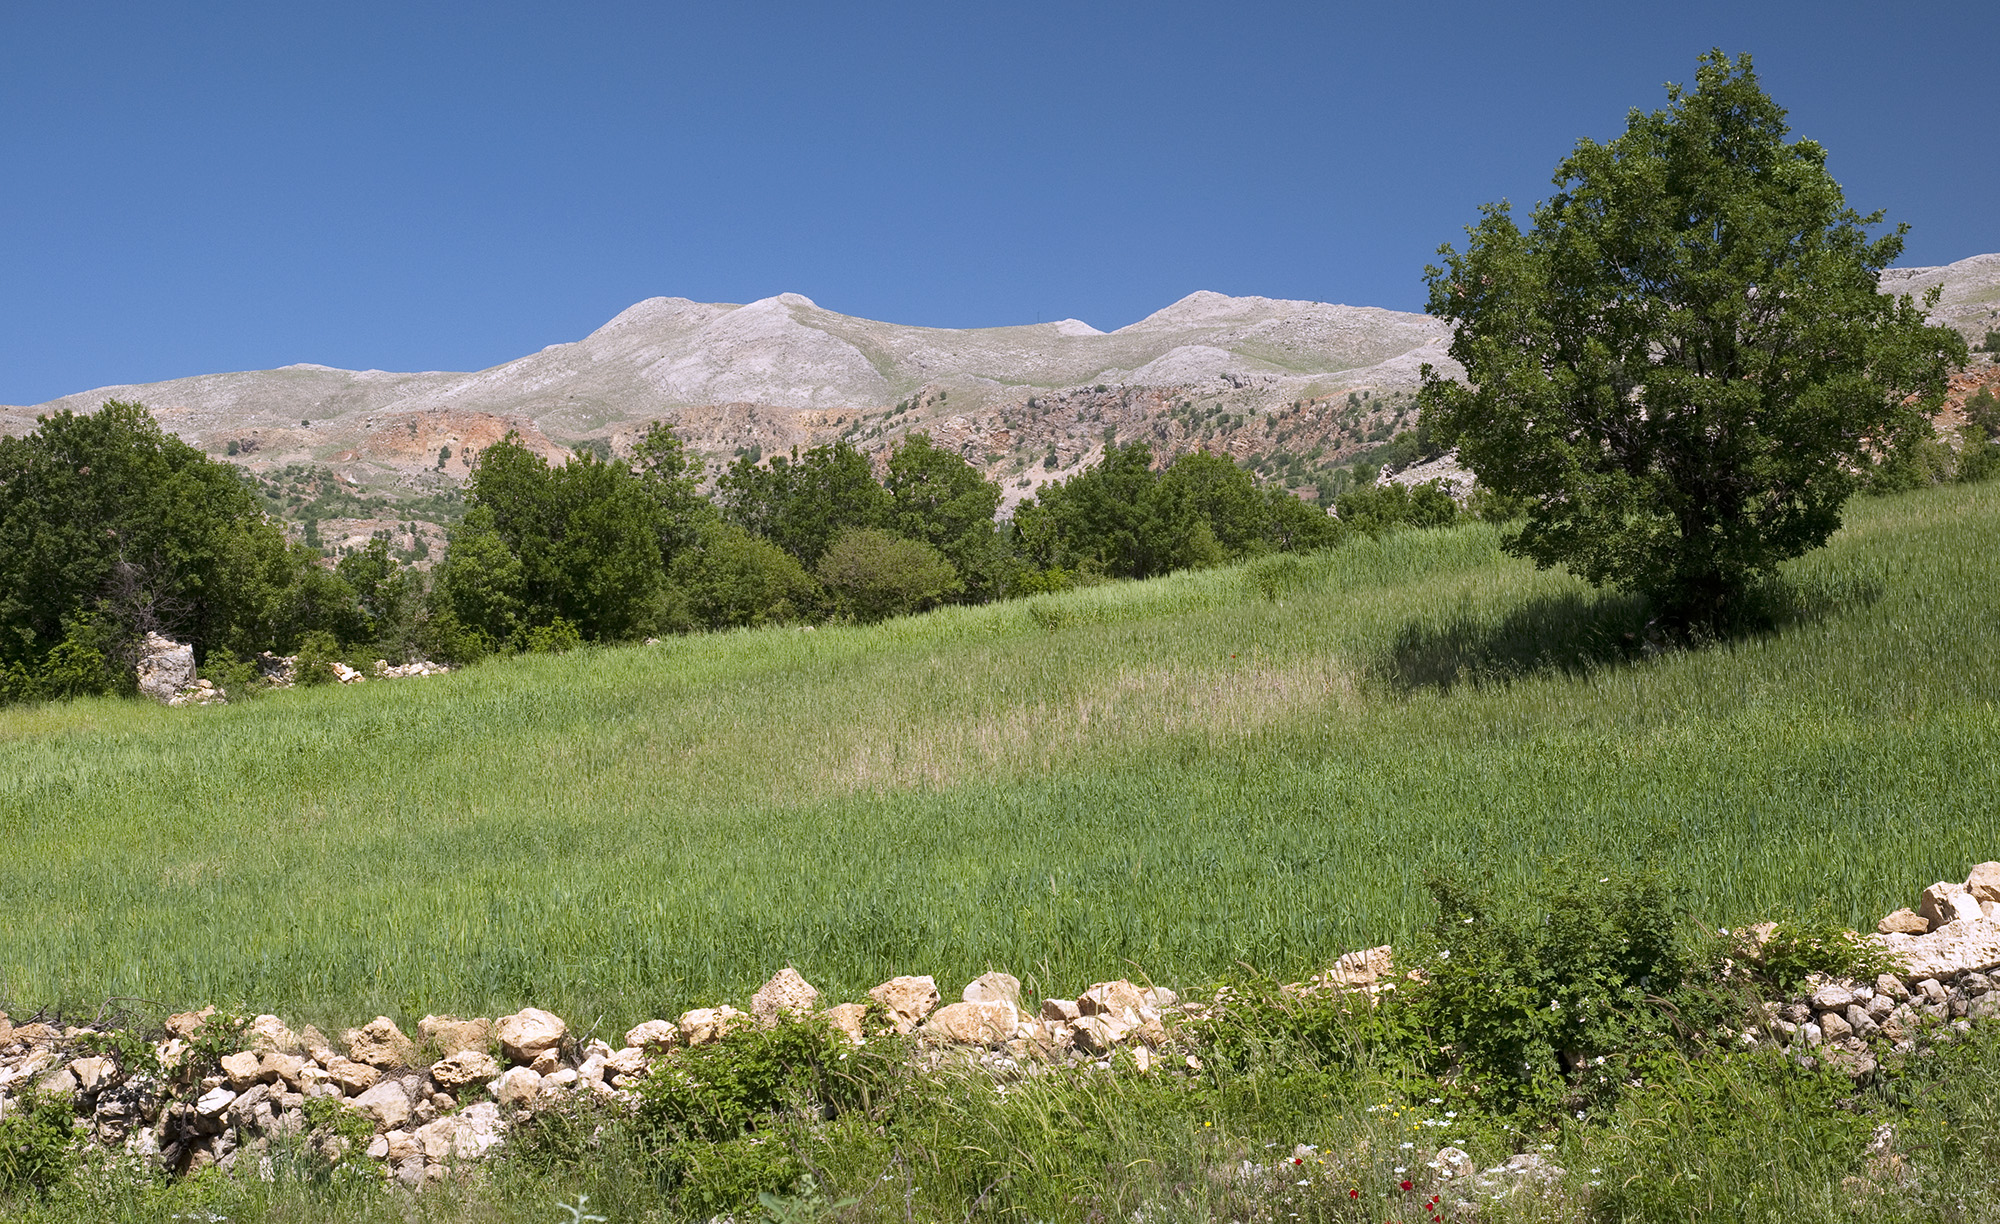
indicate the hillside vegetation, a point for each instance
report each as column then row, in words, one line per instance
column 1243, row 766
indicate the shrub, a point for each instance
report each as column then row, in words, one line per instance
column 318, row 652
column 734, row 580
column 728, row 1087
column 556, row 637
column 711, row 1110
column 1522, row 1000
column 872, row 575
column 1816, row 942
column 36, row 1135
column 237, row 678
column 1377, row 508
column 444, row 637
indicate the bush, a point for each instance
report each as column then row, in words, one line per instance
column 728, row 1087
column 1375, row 509
column 1815, row 942
column 734, row 580
column 556, row 637
column 237, row 678
column 318, row 652
column 442, row 636
column 712, row 1110
column 36, row 1136
column 872, row 575
column 1525, row 1001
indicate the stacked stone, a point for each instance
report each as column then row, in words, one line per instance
column 1943, row 952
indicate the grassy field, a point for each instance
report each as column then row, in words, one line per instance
column 1246, row 766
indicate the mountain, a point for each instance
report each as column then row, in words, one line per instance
column 783, row 372
column 1291, row 388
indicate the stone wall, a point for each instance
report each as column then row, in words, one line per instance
column 428, row 1104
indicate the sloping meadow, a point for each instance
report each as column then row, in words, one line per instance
column 1255, row 766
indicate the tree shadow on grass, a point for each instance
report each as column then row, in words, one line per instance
column 1580, row 633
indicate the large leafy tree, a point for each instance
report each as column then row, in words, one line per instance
column 801, row 503
column 580, row 542
column 106, row 518
column 1683, row 366
column 939, row 499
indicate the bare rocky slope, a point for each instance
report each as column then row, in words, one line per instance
column 1291, row 388
column 1249, row 376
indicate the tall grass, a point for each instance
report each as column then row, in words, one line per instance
column 1250, row 765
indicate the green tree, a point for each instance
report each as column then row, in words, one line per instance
column 1205, row 511
column 1684, row 364
column 872, row 575
column 801, row 503
column 733, row 580
column 1097, row 521
column 582, row 543
column 942, row 500
column 387, row 598
column 105, row 516
column 480, row 587
column 671, row 477
column 1375, row 509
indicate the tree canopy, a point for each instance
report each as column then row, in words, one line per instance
column 111, row 528
column 1683, row 367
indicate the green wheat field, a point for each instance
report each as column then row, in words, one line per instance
column 1255, row 766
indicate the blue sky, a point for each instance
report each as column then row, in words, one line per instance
column 204, row 186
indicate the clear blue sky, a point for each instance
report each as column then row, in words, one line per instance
column 199, row 187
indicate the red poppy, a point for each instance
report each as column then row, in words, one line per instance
column 1354, row 1194
column 1407, row 1186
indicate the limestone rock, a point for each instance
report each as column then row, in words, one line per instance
column 1941, row 903
column 466, row 1135
column 278, row 1067
column 1060, row 1011
column 631, row 1060
column 212, row 1103
column 1984, row 882
column 1098, row 1034
column 317, row 1047
column 352, row 1076
column 1952, row 949
column 846, row 1018
column 379, row 1043
column 1111, row 999
column 59, row 1082
column 993, row 987
column 165, row 667
column 909, row 999
column 268, row 1034
column 972, row 1023
column 456, row 1070
column 706, row 1024
column 92, row 1073
column 517, row 1088
column 1905, row 921
column 387, row 1103
column 448, row 1035
column 183, row 1025
column 660, row 1034
column 787, row 993
column 1363, row 968
column 1834, row 996
column 243, row 1069
column 1452, row 1162
column 529, row 1032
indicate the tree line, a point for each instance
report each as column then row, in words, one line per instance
column 110, row 528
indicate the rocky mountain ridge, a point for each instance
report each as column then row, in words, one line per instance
column 1291, row 388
